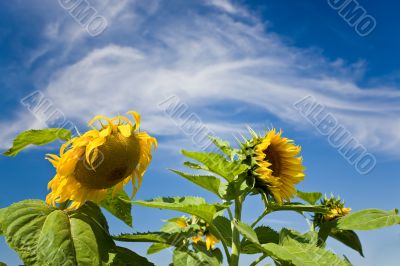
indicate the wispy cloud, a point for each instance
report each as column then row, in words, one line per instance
column 209, row 60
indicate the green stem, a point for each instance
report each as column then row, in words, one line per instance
column 235, row 234
column 265, row 213
column 230, row 213
column 254, row 263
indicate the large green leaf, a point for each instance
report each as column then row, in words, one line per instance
column 191, row 205
column 369, row 219
column 286, row 234
column 42, row 234
column 349, row 238
column 265, row 235
column 124, row 257
column 37, row 137
column 310, row 197
column 152, row 237
column 247, row 231
column 118, row 205
column 292, row 251
column 303, row 254
column 218, row 164
column 224, row 146
column 21, row 224
column 210, row 183
column 184, row 257
column 157, row 247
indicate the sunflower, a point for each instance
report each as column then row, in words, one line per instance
column 275, row 164
column 92, row 163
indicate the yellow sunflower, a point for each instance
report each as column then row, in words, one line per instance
column 336, row 212
column 100, row 159
column 276, row 164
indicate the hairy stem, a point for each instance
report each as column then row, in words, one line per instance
column 235, row 234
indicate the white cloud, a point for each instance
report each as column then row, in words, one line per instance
column 214, row 59
column 225, row 5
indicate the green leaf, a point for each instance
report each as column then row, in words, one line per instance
column 218, row 164
column 184, row 257
column 349, row 238
column 234, row 189
column 2, row 264
column 120, row 206
column 309, row 197
column 210, row 183
column 191, row 205
column 288, row 234
column 298, row 207
column 265, row 235
column 207, row 257
column 247, row 231
column 369, row 219
column 21, row 224
column 303, row 254
column 37, row 137
column 156, row 237
column 124, row 257
column 157, row 247
column 221, row 227
column 152, row 237
column 39, row 234
column 292, row 251
column 224, row 146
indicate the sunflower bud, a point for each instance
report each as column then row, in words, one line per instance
column 335, row 208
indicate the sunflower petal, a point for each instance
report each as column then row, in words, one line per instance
column 125, row 130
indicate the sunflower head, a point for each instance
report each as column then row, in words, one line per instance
column 200, row 230
column 100, row 159
column 275, row 164
column 336, row 209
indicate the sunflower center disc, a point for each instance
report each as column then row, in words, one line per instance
column 116, row 160
column 273, row 158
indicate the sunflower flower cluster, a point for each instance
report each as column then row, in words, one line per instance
column 100, row 159
column 275, row 164
column 202, row 230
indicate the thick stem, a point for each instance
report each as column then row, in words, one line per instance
column 235, row 234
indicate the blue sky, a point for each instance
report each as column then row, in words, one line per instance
column 233, row 63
